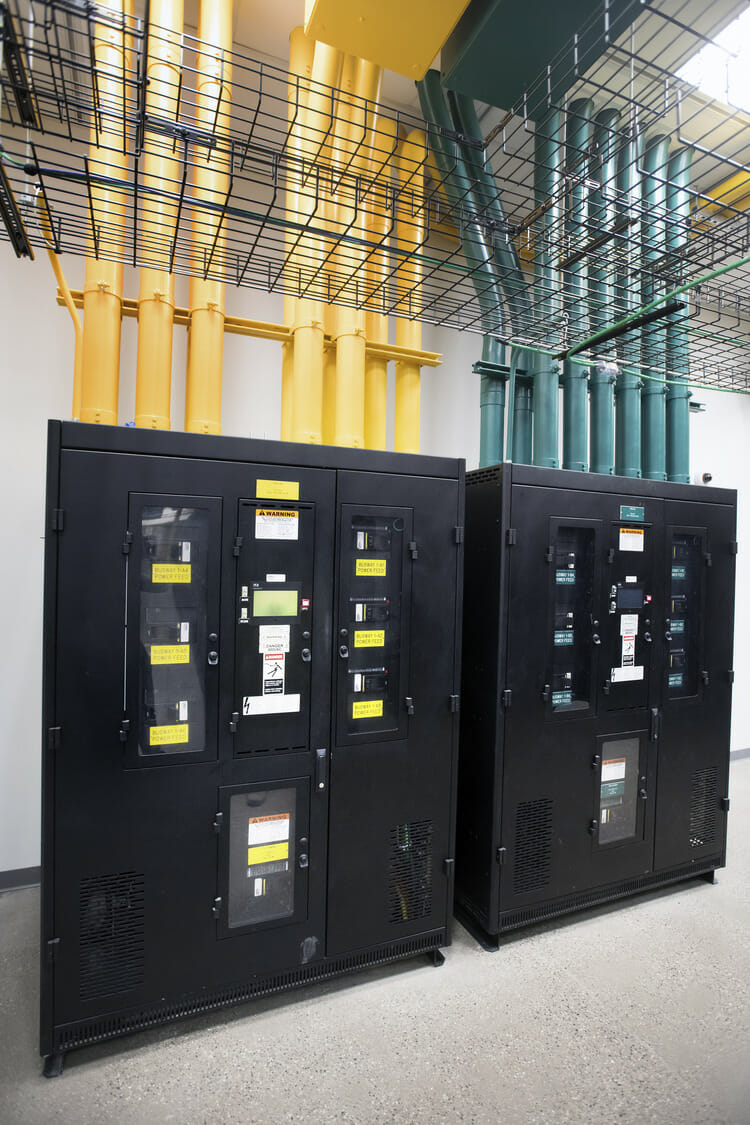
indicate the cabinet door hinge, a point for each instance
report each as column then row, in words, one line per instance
column 448, row 865
column 458, row 534
column 237, row 545
column 549, row 554
column 124, row 730
column 53, row 948
column 724, row 802
column 218, row 822
column 455, row 703
column 127, row 539
column 409, row 704
column 216, row 908
column 413, row 549
column 54, row 735
column 730, row 675
column 506, row 698
column 500, row 855
column 58, row 519
column 734, row 547
column 511, row 536
column 708, row 559
column 234, row 719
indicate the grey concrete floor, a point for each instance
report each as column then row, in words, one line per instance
column 631, row 1014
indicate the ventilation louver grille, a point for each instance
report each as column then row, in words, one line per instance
column 703, row 806
column 111, row 934
column 410, row 871
column 533, row 849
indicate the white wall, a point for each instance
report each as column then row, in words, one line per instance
column 36, row 381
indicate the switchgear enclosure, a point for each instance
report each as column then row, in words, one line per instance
column 596, row 697
column 250, row 720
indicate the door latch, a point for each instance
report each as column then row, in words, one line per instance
column 321, row 769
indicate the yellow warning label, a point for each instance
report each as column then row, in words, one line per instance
column 277, row 490
column 170, row 654
column 368, row 709
column 163, row 736
column 369, row 638
column 371, row 568
column 267, row 853
column 170, row 572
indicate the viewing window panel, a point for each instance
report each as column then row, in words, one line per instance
column 572, row 594
column 618, row 789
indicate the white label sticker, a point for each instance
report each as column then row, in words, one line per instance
column 184, row 632
column 358, row 681
column 270, row 704
column 631, row 577
column 267, row 829
column 360, row 540
column 258, row 887
column 632, row 538
column 273, row 673
column 614, row 769
column 628, row 651
column 273, row 638
column 359, row 611
column 622, row 675
column 186, row 550
column 276, row 523
column 275, row 578
column 243, row 613
column 183, row 710
column 244, row 593
column 628, row 624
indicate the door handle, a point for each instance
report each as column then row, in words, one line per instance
column 321, row 770
column 647, row 638
column 643, row 794
column 306, row 655
column 667, row 636
column 596, row 639
column 213, row 657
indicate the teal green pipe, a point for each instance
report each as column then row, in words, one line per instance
column 578, row 138
column 491, row 402
column 677, row 347
column 523, row 421
column 654, row 241
column 602, row 430
column 548, row 159
column 600, row 279
column 628, row 299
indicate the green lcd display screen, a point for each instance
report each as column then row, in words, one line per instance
column 274, row 603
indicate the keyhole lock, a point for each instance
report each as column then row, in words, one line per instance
column 344, row 652
column 213, row 657
column 306, row 655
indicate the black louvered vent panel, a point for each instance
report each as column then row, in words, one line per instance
column 703, row 805
column 533, row 850
column 111, row 934
column 410, row 871
column 478, row 476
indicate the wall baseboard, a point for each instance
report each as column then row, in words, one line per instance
column 20, row 877
column 736, row 754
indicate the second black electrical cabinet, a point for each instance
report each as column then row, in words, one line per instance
column 598, row 620
column 251, row 726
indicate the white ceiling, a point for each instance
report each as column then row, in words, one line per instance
column 262, row 27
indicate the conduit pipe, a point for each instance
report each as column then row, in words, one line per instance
column 308, row 326
column 69, row 303
column 349, row 398
column 653, row 236
column 160, row 175
column 410, row 233
column 548, row 159
column 102, row 287
column 602, row 216
column 628, row 385
column 677, row 348
column 523, row 420
column 578, row 137
column 210, row 183
column 376, row 324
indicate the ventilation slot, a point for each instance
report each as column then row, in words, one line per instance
column 410, row 871
column 273, row 750
column 703, row 805
column 478, row 476
column 533, row 850
column 111, row 934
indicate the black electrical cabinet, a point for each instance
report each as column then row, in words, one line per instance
column 597, row 673
column 250, row 720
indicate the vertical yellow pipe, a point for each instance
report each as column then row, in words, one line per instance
column 329, row 377
column 102, row 287
column 160, row 173
column 410, row 166
column 301, row 52
column 307, row 407
column 67, row 297
column 349, row 412
column 210, row 182
column 376, row 369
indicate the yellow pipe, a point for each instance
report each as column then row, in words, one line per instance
column 301, row 52
column 307, row 408
column 102, row 288
column 349, row 410
column 69, row 302
column 410, row 166
column 732, row 193
column 210, row 183
column 329, row 376
column 376, row 324
column 160, row 172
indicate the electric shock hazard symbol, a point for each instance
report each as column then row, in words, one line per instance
column 273, row 673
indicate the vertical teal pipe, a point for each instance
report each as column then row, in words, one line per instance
column 602, row 446
column 491, row 405
column 602, row 217
column 653, row 343
column 523, row 421
column 578, row 137
column 678, row 353
column 628, row 299
column 548, row 156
